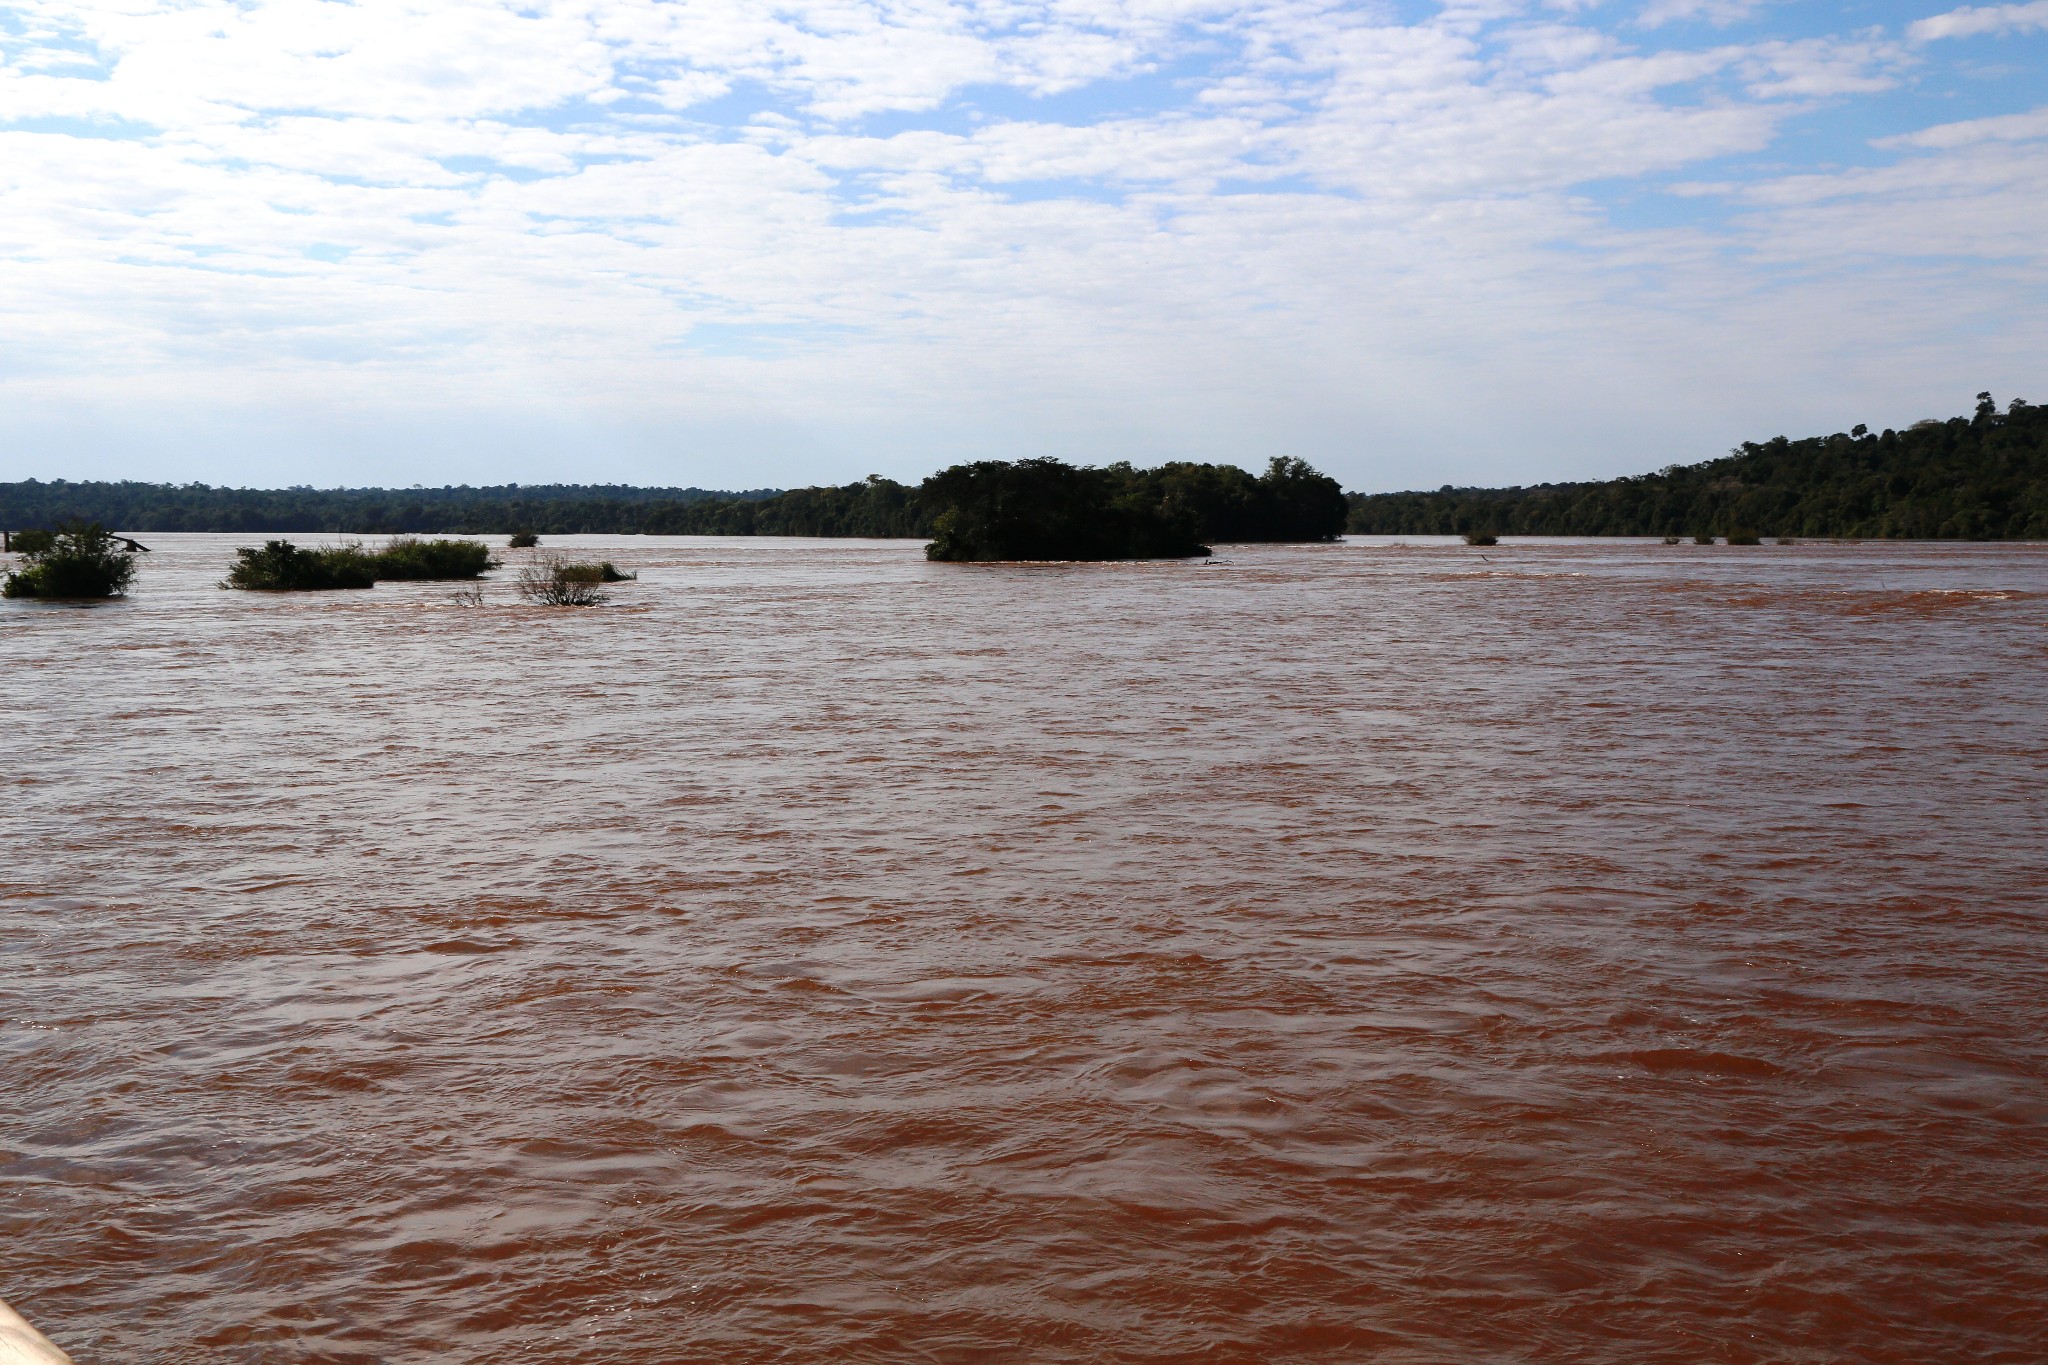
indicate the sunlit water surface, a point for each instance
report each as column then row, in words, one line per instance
column 1375, row 952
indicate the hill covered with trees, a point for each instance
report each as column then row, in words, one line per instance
column 1981, row 477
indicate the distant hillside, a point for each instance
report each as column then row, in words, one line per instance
column 557, row 509
column 1983, row 477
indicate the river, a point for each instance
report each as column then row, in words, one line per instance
column 1390, row 952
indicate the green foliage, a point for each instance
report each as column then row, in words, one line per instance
column 546, row 509
column 1742, row 537
column 79, row 559
column 1703, row 538
column 607, row 572
column 1481, row 538
column 281, row 566
column 1982, row 477
column 553, row 581
column 407, row 557
column 1045, row 509
column 1289, row 501
column 878, row 508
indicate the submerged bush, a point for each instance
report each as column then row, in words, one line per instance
column 1671, row 540
column 1703, row 538
column 281, row 566
column 78, row 559
column 1481, row 538
column 408, row 557
column 553, row 581
column 607, row 573
column 523, row 540
column 1744, row 538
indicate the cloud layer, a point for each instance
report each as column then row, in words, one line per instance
column 735, row 243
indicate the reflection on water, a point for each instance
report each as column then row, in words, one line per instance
column 1400, row 953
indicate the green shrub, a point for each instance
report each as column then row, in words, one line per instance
column 78, row 559
column 1703, row 538
column 408, row 557
column 607, row 573
column 1744, row 538
column 552, row 581
column 281, row 566
column 1481, row 538
column 523, row 540
column 1671, row 540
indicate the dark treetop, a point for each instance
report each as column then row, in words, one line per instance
column 1982, row 477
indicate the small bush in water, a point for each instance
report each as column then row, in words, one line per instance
column 523, row 540
column 1481, row 538
column 1744, row 538
column 553, row 581
column 281, row 566
column 78, row 559
column 1704, row 538
column 408, row 557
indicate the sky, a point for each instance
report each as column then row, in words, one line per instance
column 730, row 243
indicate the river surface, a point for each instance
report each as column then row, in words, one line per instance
column 1378, row 952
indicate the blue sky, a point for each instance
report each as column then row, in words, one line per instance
column 738, row 244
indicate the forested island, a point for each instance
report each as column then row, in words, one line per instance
column 1981, row 477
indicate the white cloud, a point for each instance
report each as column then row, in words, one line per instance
column 1974, row 20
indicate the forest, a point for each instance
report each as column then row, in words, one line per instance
column 1980, row 477
column 1185, row 504
column 557, row 509
column 1977, row 477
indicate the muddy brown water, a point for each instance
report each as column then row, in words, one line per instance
column 1374, row 952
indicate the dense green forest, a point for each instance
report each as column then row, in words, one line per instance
column 1982, row 477
column 559, row 509
column 1201, row 502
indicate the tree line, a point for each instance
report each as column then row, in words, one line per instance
column 1980, row 477
column 1037, row 505
column 556, row 509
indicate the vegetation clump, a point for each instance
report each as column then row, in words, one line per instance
column 281, row 566
column 1047, row 509
column 523, row 539
column 79, row 559
column 1741, row 537
column 552, row 581
column 1703, row 538
column 1481, row 538
column 408, row 557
